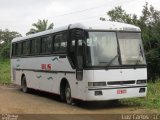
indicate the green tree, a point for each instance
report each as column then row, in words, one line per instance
column 120, row 15
column 149, row 22
column 6, row 36
column 5, row 42
column 41, row 25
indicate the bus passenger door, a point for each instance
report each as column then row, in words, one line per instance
column 79, row 55
column 76, row 52
column 79, row 60
column 76, row 55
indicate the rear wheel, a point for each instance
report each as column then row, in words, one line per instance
column 68, row 96
column 24, row 85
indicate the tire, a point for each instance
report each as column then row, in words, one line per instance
column 68, row 95
column 24, row 85
column 62, row 94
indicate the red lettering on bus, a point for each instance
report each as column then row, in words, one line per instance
column 49, row 67
column 46, row 67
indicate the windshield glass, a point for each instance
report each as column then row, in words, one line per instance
column 131, row 48
column 102, row 49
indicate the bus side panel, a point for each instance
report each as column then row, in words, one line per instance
column 49, row 80
column 43, row 73
column 15, row 74
column 79, row 88
column 31, row 78
column 76, row 88
column 18, row 75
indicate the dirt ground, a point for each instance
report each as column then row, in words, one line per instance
column 13, row 101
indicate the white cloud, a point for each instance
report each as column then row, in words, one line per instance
column 19, row 15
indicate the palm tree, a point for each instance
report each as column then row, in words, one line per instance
column 41, row 25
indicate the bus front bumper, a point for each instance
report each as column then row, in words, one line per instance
column 102, row 94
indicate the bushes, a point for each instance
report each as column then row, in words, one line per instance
column 152, row 100
column 5, row 75
column 5, row 41
column 153, row 61
column 5, row 51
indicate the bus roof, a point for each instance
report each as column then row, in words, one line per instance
column 88, row 25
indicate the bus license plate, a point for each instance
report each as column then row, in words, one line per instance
column 121, row 91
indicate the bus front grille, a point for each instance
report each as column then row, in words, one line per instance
column 121, row 82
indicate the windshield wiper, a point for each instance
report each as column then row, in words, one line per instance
column 140, row 55
column 137, row 61
column 111, row 61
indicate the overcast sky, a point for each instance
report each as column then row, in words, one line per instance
column 18, row 15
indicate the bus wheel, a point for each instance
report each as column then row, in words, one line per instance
column 24, row 85
column 68, row 96
column 62, row 94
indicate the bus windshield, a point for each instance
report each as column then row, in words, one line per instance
column 102, row 49
column 131, row 48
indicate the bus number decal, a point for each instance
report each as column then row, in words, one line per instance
column 46, row 67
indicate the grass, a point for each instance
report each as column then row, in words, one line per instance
column 152, row 100
column 5, row 76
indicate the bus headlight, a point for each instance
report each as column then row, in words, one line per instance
column 90, row 84
column 141, row 81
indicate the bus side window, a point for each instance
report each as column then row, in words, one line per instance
column 63, row 42
column 72, row 47
column 60, row 42
column 46, row 45
column 18, row 49
column 35, row 46
column 56, row 43
column 26, row 47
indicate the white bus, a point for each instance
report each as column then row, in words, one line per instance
column 89, row 61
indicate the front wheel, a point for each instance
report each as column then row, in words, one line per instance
column 68, row 96
column 24, row 85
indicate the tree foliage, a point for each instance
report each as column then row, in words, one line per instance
column 120, row 15
column 6, row 36
column 5, row 42
column 149, row 22
column 41, row 25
